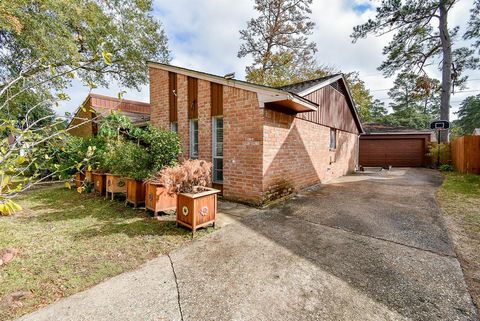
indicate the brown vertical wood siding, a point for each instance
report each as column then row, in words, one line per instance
column 172, row 96
column 216, row 93
column 192, row 98
column 333, row 110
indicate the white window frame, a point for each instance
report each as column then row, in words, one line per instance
column 330, row 139
column 174, row 126
column 214, row 144
column 192, row 140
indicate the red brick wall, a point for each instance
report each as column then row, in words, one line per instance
column 204, row 121
column 243, row 144
column 296, row 154
column 159, row 98
column 183, row 122
column 265, row 152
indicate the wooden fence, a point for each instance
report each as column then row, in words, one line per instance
column 465, row 153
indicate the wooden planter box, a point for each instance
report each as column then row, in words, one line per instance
column 88, row 176
column 135, row 192
column 115, row 185
column 158, row 200
column 79, row 178
column 99, row 183
column 197, row 210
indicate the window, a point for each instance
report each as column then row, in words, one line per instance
column 174, row 127
column 193, row 138
column 333, row 138
column 217, row 149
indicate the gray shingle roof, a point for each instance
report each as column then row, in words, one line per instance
column 304, row 85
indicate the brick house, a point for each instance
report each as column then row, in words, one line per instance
column 263, row 142
column 95, row 107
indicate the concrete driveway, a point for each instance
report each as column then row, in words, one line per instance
column 369, row 246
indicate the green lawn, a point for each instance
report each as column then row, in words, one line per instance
column 68, row 242
column 459, row 197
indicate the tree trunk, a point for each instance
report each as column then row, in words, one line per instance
column 446, row 67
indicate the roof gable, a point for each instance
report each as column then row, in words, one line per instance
column 338, row 82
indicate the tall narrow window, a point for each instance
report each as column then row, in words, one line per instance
column 333, row 139
column 174, row 127
column 193, row 138
column 172, row 96
column 217, row 149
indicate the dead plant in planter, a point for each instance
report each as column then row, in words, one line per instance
column 196, row 202
column 191, row 176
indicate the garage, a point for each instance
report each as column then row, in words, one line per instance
column 394, row 146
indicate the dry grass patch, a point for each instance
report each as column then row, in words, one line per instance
column 68, row 242
column 459, row 197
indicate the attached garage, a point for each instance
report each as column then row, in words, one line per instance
column 402, row 148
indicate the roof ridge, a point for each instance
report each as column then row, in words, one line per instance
column 311, row 80
column 100, row 96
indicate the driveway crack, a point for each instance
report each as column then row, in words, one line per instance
column 178, row 288
column 380, row 239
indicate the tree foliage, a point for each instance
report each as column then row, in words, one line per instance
column 96, row 40
column 473, row 30
column 278, row 41
column 468, row 115
column 46, row 44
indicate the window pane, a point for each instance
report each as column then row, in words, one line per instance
column 218, row 149
column 194, row 138
column 174, row 127
column 218, row 170
column 333, row 138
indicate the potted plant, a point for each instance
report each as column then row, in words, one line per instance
column 135, row 165
column 196, row 202
column 163, row 147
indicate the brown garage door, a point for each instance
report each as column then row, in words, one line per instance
column 407, row 152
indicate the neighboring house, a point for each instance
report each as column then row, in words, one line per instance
column 86, row 120
column 389, row 145
column 476, row 132
column 263, row 142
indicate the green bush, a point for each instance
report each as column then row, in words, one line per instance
column 74, row 154
column 132, row 160
column 434, row 149
column 162, row 145
column 446, row 168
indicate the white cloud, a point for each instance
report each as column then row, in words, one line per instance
column 204, row 35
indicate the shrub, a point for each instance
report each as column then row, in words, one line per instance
column 76, row 154
column 132, row 161
column 163, row 146
column 192, row 176
column 446, row 168
column 434, row 149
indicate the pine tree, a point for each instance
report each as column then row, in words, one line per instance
column 420, row 35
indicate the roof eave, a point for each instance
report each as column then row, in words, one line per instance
column 217, row 79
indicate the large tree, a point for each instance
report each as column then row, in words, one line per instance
column 420, row 93
column 421, row 34
column 44, row 45
column 415, row 101
column 277, row 40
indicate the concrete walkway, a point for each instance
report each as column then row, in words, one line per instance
column 370, row 246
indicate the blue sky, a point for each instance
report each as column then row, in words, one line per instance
column 204, row 35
